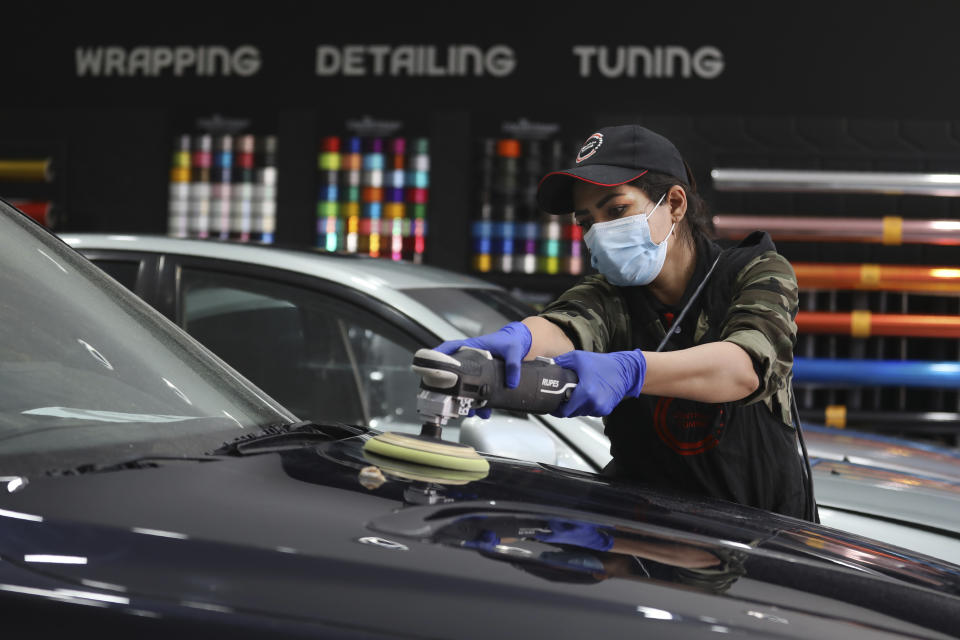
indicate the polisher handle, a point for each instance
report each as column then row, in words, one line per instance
column 476, row 374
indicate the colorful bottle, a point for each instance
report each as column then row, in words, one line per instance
column 329, row 222
column 179, row 203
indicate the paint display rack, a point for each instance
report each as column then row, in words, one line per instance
column 509, row 232
column 223, row 186
column 373, row 193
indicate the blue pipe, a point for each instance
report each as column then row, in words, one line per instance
column 890, row 373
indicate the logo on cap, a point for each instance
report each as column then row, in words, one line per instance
column 590, row 147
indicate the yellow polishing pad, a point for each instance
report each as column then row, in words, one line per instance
column 427, row 451
column 420, row 472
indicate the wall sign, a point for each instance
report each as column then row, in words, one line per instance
column 649, row 62
column 377, row 60
column 156, row 62
column 648, row 59
column 407, row 60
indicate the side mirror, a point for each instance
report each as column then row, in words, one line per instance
column 509, row 436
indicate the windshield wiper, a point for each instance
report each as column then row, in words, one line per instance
column 288, row 436
column 277, row 437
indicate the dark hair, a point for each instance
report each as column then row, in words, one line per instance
column 699, row 223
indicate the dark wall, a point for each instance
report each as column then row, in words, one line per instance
column 855, row 85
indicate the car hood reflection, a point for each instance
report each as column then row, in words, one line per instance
column 309, row 533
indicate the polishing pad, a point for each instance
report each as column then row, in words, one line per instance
column 421, row 473
column 428, row 451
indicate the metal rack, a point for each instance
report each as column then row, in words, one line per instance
column 878, row 344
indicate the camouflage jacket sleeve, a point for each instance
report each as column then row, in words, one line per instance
column 762, row 321
column 593, row 314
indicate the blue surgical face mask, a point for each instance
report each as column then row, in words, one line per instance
column 623, row 251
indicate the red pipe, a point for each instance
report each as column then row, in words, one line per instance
column 39, row 210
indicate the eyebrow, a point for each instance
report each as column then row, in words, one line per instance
column 602, row 201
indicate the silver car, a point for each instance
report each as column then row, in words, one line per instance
column 332, row 336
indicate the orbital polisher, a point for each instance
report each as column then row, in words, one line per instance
column 454, row 386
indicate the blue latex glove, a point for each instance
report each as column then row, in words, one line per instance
column 584, row 562
column 486, row 541
column 511, row 343
column 605, row 380
column 576, row 533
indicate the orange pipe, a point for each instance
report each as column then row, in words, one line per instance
column 877, row 277
column 863, row 324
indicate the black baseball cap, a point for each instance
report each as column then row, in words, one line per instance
column 612, row 156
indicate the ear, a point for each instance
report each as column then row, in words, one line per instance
column 677, row 201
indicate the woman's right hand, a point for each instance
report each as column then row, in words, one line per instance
column 511, row 344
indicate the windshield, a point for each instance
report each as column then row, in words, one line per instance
column 89, row 374
column 474, row 311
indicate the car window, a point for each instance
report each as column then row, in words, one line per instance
column 321, row 357
column 123, row 271
column 326, row 359
column 90, row 374
column 475, row 312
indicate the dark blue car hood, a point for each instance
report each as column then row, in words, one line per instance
column 320, row 541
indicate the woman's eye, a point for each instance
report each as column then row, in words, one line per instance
column 617, row 211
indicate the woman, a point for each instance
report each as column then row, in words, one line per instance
column 685, row 349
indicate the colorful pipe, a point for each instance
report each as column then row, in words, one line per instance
column 890, row 230
column 26, row 170
column 877, row 277
column 840, row 417
column 891, row 373
column 819, row 181
column 863, row 324
column 39, row 210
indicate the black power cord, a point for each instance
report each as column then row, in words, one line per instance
column 813, row 514
column 683, row 312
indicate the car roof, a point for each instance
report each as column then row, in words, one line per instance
column 382, row 279
column 346, row 267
